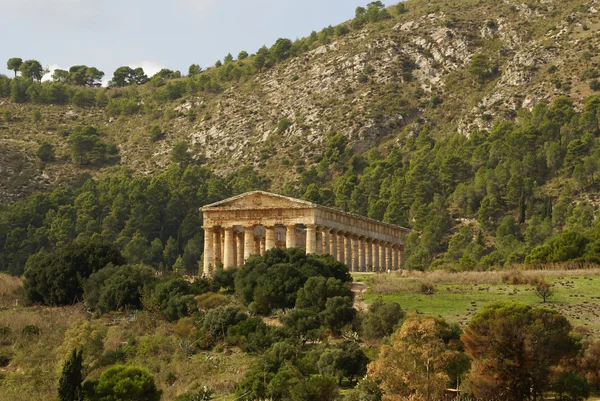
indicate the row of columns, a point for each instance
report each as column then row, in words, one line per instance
column 231, row 248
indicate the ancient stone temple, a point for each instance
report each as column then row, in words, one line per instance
column 255, row 222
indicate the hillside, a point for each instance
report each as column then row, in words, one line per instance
column 374, row 84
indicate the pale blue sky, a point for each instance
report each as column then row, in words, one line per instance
column 155, row 33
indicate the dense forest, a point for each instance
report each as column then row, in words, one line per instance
column 518, row 194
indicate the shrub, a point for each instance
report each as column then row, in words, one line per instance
column 217, row 321
column 544, row 290
column 155, row 133
column 45, row 152
column 210, row 301
column 6, row 356
column 123, row 383
column 203, row 394
column 290, row 268
column 36, row 116
column 174, row 299
column 382, row 319
column 570, row 387
column 117, row 287
column 31, row 330
column 595, row 85
column 427, row 288
column 6, row 116
column 56, row 278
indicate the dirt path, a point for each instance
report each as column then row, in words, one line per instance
column 359, row 289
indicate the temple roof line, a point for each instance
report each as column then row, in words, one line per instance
column 221, row 205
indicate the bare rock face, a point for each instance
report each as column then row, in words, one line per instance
column 386, row 79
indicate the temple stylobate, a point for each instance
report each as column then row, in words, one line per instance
column 255, row 222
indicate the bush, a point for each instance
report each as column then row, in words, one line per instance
column 210, row 301
column 174, row 299
column 316, row 388
column 570, row 387
column 123, row 383
column 31, row 330
column 427, row 288
column 155, row 133
column 117, row 287
column 36, row 116
column 544, row 290
column 56, row 278
column 45, row 152
column 6, row 356
column 217, row 321
column 272, row 281
column 595, row 85
column 203, row 394
column 382, row 319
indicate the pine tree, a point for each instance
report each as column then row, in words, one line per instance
column 69, row 385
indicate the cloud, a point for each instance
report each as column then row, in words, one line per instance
column 51, row 69
column 150, row 67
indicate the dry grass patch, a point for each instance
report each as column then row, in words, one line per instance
column 10, row 291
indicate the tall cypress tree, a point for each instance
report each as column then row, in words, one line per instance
column 69, row 385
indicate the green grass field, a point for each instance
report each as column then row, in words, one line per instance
column 459, row 296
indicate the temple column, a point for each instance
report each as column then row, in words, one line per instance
column 333, row 244
column 382, row 265
column 401, row 258
column 240, row 249
column 375, row 250
column 269, row 238
column 217, row 244
column 395, row 258
column 228, row 248
column 290, row 236
column 361, row 255
column 368, row 255
column 209, row 262
column 348, row 251
column 388, row 257
column 319, row 241
column 341, row 248
column 248, row 242
column 311, row 238
column 325, row 240
column 355, row 257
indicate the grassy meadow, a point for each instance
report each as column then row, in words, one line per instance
column 458, row 296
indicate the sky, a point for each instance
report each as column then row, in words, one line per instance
column 155, row 34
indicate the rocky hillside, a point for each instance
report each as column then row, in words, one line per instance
column 449, row 66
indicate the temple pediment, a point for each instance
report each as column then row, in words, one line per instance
column 259, row 200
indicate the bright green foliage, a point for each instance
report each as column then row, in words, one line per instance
column 14, row 64
column 317, row 290
column 123, row 383
column 45, row 152
column 571, row 387
column 382, row 319
column 517, row 346
column 69, row 384
column 56, row 278
column 118, row 287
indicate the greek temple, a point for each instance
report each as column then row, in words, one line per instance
column 255, row 222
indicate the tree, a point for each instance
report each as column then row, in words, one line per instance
column 56, row 278
column 45, row 152
column 180, row 154
column 124, row 383
column 194, row 69
column 382, row 319
column 61, row 76
column 32, row 69
column 514, row 348
column 480, row 66
column 571, row 387
column 69, row 384
column 218, row 320
column 125, row 76
column 117, row 287
column 316, row 388
column 543, row 290
column 414, row 365
column 14, row 64
column 83, row 75
column 243, row 55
